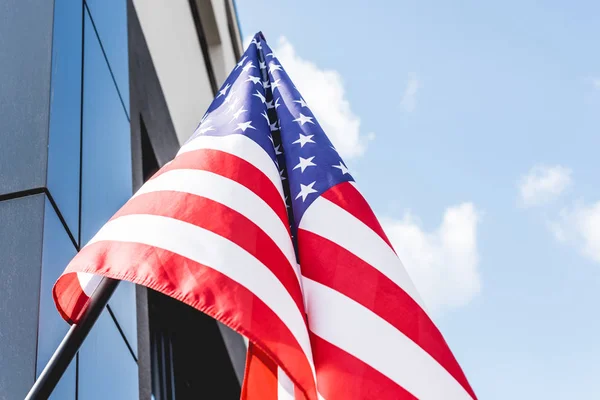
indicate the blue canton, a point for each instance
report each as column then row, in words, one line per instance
column 312, row 163
column 240, row 106
column 259, row 100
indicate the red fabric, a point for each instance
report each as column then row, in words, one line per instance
column 260, row 378
column 233, row 168
column 344, row 377
column 202, row 288
column 330, row 265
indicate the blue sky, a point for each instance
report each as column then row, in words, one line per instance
column 473, row 130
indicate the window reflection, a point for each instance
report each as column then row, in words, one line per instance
column 122, row 304
column 106, row 368
column 106, row 146
column 110, row 20
column 65, row 111
column 106, row 164
column 57, row 251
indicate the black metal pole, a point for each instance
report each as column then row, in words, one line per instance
column 64, row 354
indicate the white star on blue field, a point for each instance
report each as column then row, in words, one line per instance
column 473, row 130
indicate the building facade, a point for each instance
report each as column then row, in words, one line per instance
column 95, row 96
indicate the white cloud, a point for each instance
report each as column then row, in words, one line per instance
column 443, row 263
column 409, row 97
column 580, row 227
column 324, row 92
column 543, row 183
column 577, row 225
column 247, row 41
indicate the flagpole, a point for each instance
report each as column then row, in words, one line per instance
column 66, row 350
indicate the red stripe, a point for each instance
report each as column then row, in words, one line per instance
column 204, row 289
column 69, row 298
column 377, row 293
column 260, row 377
column 234, row 168
column 223, row 221
column 349, row 198
column 298, row 395
column 342, row 376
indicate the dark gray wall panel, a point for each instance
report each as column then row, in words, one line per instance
column 25, row 57
column 21, row 223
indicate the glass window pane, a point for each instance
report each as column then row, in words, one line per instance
column 57, row 251
column 106, row 169
column 110, row 20
column 106, row 368
column 65, row 111
column 106, row 166
column 122, row 304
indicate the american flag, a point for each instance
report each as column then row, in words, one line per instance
column 258, row 223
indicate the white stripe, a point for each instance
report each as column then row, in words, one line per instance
column 363, row 334
column 216, row 252
column 242, row 147
column 88, row 282
column 231, row 194
column 285, row 387
column 332, row 222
